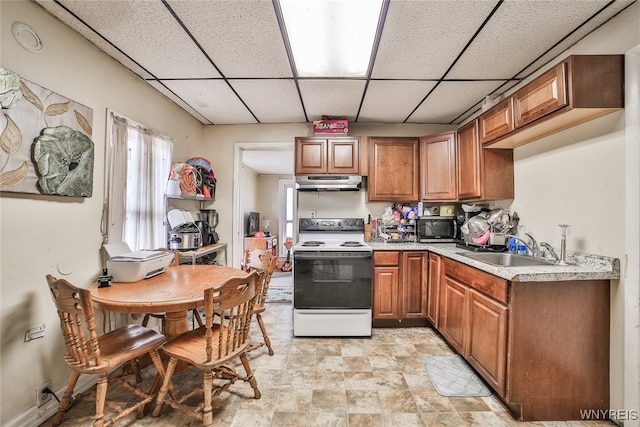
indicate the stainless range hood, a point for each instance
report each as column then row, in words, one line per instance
column 328, row 183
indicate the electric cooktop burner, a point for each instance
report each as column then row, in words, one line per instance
column 351, row 244
column 312, row 243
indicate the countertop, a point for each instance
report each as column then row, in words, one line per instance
column 583, row 266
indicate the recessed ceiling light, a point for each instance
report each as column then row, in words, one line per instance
column 331, row 38
column 26, row 37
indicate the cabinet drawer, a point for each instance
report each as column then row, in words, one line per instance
column 386, row 258
column 486, row 283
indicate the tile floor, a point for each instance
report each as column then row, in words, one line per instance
column 377, row 381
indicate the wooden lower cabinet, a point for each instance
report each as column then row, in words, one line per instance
column 433, row 288
column 542, row 346
column 399, row 288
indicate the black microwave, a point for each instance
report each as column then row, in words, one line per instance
column 437, row 229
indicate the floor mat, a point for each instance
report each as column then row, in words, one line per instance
column 280, row 288
column 453, row 377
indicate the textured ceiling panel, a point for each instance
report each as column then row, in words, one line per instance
column 392, row 101
column 242, row 38
column 498, row 51
column 272, row 101
column 337, row 98
column 146, row 32
column 186, row 107
column 577, row 35
column 449, row 99
column 213, row 99
column 64, row 16
column 421, row 39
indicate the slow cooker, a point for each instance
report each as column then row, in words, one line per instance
column 184, row 235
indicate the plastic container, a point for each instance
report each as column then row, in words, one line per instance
column 512, row 245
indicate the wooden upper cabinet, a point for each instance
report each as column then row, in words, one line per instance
column 469, row 162
column 394, row 169
column 321, row 155
column 483, row 174
column 579, row 89
column 496, row 122
column 542, row 96
column 438, row 167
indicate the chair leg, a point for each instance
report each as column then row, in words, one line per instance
column 207, row 410
column 196, row 315
column 250, row 378
column 101, row 397
column 166, row 384
column 67, row 398
column 265, row 336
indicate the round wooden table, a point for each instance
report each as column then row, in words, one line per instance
column 174, row 292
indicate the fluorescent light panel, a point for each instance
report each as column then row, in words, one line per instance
column 331, row 38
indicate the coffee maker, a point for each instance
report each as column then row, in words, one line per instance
column 210, row 216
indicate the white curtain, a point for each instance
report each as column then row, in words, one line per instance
column 139, row 166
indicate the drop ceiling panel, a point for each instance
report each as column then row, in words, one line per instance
column 146, row 32
column 576, row 36
column 272, row 101
column 498, row 51
column 175, row 98
column 242, row 38
column 90, row 35
column 450, row 99
column 421, row 39
column 213, row 99
column 338, row 98
column 392, row 101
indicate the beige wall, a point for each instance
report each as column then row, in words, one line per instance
column 575, row 176
column 41, row 235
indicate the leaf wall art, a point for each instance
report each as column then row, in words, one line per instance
column 45, row 140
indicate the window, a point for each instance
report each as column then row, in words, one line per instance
column 139, row 166
column 287, row 213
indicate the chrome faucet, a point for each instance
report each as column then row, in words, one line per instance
column 534, row 248
column 551, row 251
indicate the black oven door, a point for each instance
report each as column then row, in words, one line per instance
column 332, row 280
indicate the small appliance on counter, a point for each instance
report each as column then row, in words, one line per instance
column 185, row 234
column 127, row 266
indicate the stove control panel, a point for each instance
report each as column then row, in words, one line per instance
column 331, row 224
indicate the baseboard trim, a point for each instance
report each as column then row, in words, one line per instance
column 35, row 416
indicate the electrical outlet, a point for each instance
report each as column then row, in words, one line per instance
column 43, row 396
column 33, row 333
column 313, row 214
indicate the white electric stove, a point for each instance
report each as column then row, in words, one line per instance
column 332, row 278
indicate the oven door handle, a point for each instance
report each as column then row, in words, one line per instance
column 331, row 255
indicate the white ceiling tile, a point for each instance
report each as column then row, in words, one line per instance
column 242, row 38
column 146, row 32
column 392, row 101
column 498, row 51
column 336, row 98
column 450, row 99
column 421, row 38
column 175, row 98
column 213, row 99
column 272, row 101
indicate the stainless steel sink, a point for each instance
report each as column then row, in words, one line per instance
column 507, row 260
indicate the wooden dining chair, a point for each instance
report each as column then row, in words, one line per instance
column 265, row 263
column 88, row 353
column 212, row 348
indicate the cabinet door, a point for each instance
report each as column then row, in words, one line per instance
column 487, row 339
column 394, row 169
column 386, row 281
column 469, row 162
column 496, row 122
column 438, row 167
column 454, row 313
column 343, row 156
column 542, row 96
column 311, row 156
column 414, row 285
column 433, row 288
